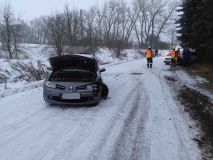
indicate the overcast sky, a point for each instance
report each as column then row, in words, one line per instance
column 29, row 9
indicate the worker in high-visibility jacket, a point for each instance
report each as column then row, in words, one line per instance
column 173, row 57
column 149, row 56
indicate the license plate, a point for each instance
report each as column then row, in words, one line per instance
column 71, row 96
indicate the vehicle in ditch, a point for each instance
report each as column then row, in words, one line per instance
column 74, row 80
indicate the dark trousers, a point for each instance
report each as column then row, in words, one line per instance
column 149, row 62
column 173, row 62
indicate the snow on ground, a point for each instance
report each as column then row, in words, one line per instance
column 107, row 56
column 191, row 80
column 33, row 55
column 194, row 83
column 38, row 51
column 140, row 120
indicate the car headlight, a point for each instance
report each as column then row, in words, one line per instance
column 50, row 84
column 92, row 87
column 89, row 87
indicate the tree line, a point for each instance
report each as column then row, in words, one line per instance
column 116, row 24
column 196, row 27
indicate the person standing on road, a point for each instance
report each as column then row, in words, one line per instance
column 178, row 54
column 149, row 56
column 173, row 56
column 156, row 52
column 186, row 56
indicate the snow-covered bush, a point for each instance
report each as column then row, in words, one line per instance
column 29, row 71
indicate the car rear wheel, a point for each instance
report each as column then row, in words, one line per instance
column 104, row 91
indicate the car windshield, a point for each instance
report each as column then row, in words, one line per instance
column 73, row 76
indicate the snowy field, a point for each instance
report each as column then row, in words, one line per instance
column 140, row 120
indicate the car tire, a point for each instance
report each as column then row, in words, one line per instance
column 104, row 91
column 45, row 99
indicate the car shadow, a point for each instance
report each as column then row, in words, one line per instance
column 65, row 107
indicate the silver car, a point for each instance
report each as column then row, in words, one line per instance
column 74, row 80
column 167, row 59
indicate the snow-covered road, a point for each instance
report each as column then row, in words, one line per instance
column 139, row 121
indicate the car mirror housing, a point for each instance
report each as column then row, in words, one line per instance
column 103, row 70
column 49, row 68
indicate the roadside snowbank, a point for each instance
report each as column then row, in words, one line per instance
column 107, row 56
column 194, row 82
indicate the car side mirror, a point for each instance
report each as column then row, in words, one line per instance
column 103, row 70
column 49, row 68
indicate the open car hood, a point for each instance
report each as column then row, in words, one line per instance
column 60, row 63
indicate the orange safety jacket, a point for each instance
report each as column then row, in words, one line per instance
column 173, row 54
column 148, row 53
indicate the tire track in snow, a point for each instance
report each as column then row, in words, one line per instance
column 126, row 131
column 178, row 130
column 98, row 149
column 117, row 129
column 78, row 141
column 129, row 143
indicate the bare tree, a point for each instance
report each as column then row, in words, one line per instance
column 9, row 31
column 140, row 7
column 56, row 26
column 39, row 30
column 166, row 20
column 153, row 18
column 110, row 25
column 125, row 21
column 73, row 24
column 99, row 25
column 17, row 28
column 90, row 26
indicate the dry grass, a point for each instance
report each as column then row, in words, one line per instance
column 205, row 71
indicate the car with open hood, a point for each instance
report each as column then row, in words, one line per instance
column 74, row 80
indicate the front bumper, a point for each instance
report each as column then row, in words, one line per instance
column 167, row 61
column 86, row 98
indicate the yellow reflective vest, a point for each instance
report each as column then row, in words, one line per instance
column 148, row 53
column 173, row 54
